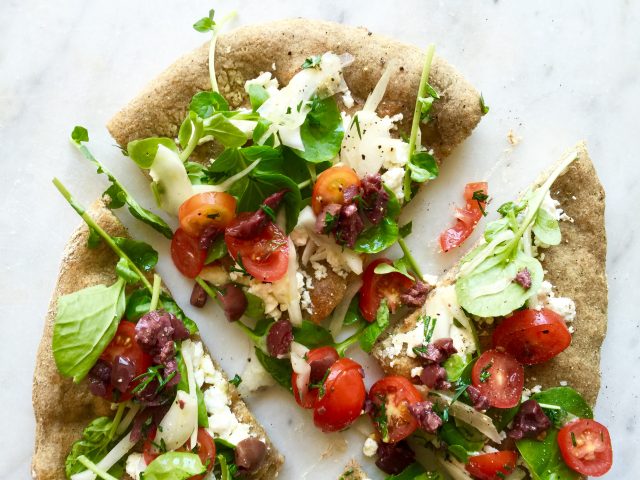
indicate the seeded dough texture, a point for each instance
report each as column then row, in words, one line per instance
column 62, row 409
column 576, row 268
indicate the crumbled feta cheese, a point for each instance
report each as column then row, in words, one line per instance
column 135, row 465
column 319, row 270
column 222, row 422
column 254, row 376
column 274, row 295
column 393, row 179
column 215, row 274
column 347, row 99
column 305, row 283
column 264, row 80
column 370, row 447
column 536, row 389
column 552, row 206
column 563, row 383
column 416, row 371
column 333, row 258
column 545, row 298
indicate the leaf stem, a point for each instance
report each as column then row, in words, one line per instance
column 343, row 346
column 117, row 419
column 105, row 236
column 212, row 49
column 422, row 90
column 155, row 292
column 95, row 469
column 409, row 256
column 306, row 183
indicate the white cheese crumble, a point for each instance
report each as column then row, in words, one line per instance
column 546, row 298
column 254, row 376
column 299, row 236
column 305, row 296
column 416, row 371
column 347, row 99
column 135, row 465
column 393, row 179
column 264, row 80
column 563, row 383
column 370, row 447
column 552, row 206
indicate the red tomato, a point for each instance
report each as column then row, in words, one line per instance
column 206, row 452
column 532, row 336
column 330, row 186
column 186, row 254
column 149, row 452
column 492, row 466
column 499, row 377
column 395, row 394
column 340, row 403
column 124, row 344
column 324, row 356
column 266, row 257
column 585, row 446
column 207, row 209
column 376, row 286
column 467, row 218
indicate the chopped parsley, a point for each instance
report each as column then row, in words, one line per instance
column 312, row 62
column 480, row 197
column 356, row 122
column 485, row 374
column 484, row 108
column 573, row 439
column 269, row 211
column 236, row 380
column 330, row 222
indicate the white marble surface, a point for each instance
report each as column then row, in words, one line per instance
column 554, row 72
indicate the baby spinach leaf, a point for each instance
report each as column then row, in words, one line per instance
column 143, row 152
column 95, row 444
column 138, row 303
column 405, row 230
column 257, row 96
column 377, row 237
column 544, row 459
column 255, row 306
column 567, row 399
column 370, row 334
column 353, row 315
column 205, row 24
column 217, row 250
column 79, row 134
column 461, row 440
column 224, row 131
column 490, row 290
column 279, row 368
column 546, row 228
column 321, row 132
column 85, row 323
column 311, row 335
column 205, row 104
column 174, row 466
column 140, row 253
column 423, row 167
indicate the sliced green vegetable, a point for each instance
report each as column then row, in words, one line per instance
column 97, row 439
column 174, row 466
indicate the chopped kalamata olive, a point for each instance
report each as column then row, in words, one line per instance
column 279, row 338
column 374, row 198
column 319, row 369
column 327, row 219
column 434, row 376
column 253, row 224
column 156, row 332
column 233, row 300
column 99, row 378
column 350, row 225
column 146, row 422
column 523, row 278
column 393, row 458
column 438, row 351
column 478, row 401
column 250, row 454
column 529, row 422
column 416, row 295
column 428, row 420
column 198, row 296
column 208, row 236
column 122, row 372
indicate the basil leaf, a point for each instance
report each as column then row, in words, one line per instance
column 490, row 290
column 423, row 167
column 224, row 131
column 257, row 96
column 461, row 440
column 321, row 132
column 174, row 466
column 454, row 365
column 143, row 152
column 205, row 104
column 140, row 253
column 567, row 399
column 86, row 321
column 377, row 237
column 370, row 334
column 94, row 444
column 217, row 250
column 353, row 315
column 543, row 458
column 385, row 268
column 546, row 228
column 138, row 303
column 126, row 272
column 279, row 368
column 255, row 306
column 311, row 335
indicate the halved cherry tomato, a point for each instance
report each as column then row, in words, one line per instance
column 394, row 422
column 492, row 466
column 585, row 446
column 207, row 209
column 467, row 217
column 532, row 336
column 206, row 452
column 330, row 186
column 266, row 256
column 499, row 377
column 377, row 286
column 186, row 254
column 149, row 451
column 124, row 344
column 340, row 402
column 323, row 356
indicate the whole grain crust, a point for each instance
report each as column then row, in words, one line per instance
column 62, row 409
column 576, row 268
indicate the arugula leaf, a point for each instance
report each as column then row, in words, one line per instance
column 484, row 108
column 423, row 167
column 543, row 458
column 322, row 132
column 85, row 323
column 217, row 250
column 120, row 196
column 140, row 253
column 312, row 62
column 546, row 228
column 370, row 334
column 205, row 24
column 143, row 152
column 311, row 335
column 567, row 399
column 279, row 368
column 224, row 131
column 257, row 96
column 174, row 466
column 97, row 439
column 205, row 104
